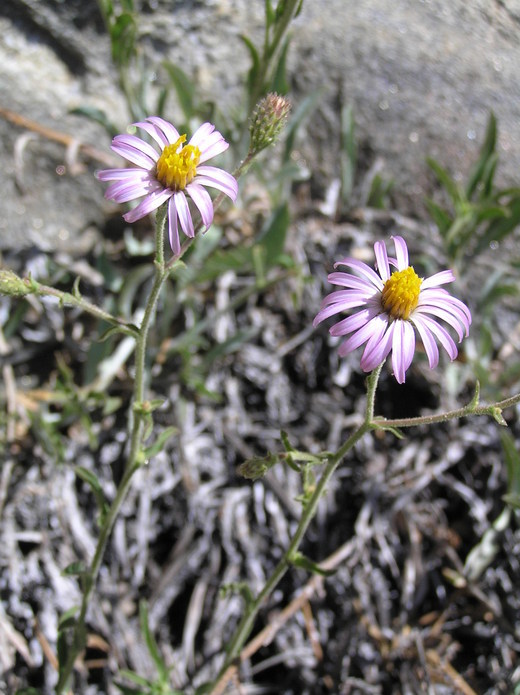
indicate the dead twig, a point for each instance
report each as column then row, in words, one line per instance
column 71, row 143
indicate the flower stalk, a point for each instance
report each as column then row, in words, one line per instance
column 246, row 624
column 134, row 461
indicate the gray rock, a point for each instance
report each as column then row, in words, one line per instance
column 421, row 76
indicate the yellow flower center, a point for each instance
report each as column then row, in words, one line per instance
column 176, row 168
column 401, row 293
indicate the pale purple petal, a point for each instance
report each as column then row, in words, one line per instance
column 173, row 227
column 442, row 336
column 202, row 200
column 401, row 252
column 352, row 281
column 444, row 300
column 170, row 133
column 373, row 329
column 352, row 323
column 382, row 264
column 403, row 348
column 432, row 351
column 336, row 308
column 120, row 174
column 364, row 270
column 155, row 132
column 217, row 178
column 209, row 141
column 183, row 211
column 346, row 295
column 150, row 203
column 453, row 321
column 378, row 347
column 202, row 133
column 123, row 191
column 129, row 146
column 442, row 278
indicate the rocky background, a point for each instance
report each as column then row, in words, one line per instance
column 421, row 76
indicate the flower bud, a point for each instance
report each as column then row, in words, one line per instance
column 268, row 121
column 14, row 286
column 257, row 467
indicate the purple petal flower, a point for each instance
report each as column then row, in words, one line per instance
column 392, row 305
column 171, row 174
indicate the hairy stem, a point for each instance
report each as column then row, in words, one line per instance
column 493, row 410
column 134, row 460
column 246, row 624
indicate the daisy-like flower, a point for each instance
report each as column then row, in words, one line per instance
column 169, row 175
column 392, row 305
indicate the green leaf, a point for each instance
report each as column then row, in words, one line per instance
column 151, row 644
column 68, row 619
column 487, row 177
column 241, row 588
column 255, row 63
column 98, row 116
column 279, row 82
column 501, row 228
column 379, row 190
column 477, row 174
column 123, row 33
column 304, row 563
column 203, row 689
column 512, row 459
column 159, row 443
column 269, row 13
column 446, row 181
column 274, row 235
column 348, row 154
column 90, row 478
column 75, row 569
column 512, row 500
column 398, row 434
column 184, row 87
column 239, row 259
column 297, row 119
column 130, row 330
column 442, row 219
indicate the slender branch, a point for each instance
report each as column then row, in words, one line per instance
column 493, row 410
column 68, row 299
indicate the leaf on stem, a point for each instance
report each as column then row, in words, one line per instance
column 299, row 560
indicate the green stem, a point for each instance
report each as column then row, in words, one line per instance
column 134, row 460
column 270, row 51
column 68, row 299
column 494, row 410
column 237, row 173
column 246, row 624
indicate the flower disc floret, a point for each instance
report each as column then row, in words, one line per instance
column 391, row 306
column 177, row 165
column 400, row 294
column 174, row 175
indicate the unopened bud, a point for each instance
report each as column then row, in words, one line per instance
column 257, row 467
column 15, row 286
column 268, row 121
